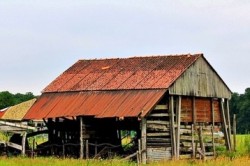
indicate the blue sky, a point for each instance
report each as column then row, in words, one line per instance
column 39, row 39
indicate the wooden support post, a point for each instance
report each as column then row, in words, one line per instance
column 23, row 143
column 139, row 151
column 87, row 149
column 228, row 122
column 193, row 148
column 138, row 158
column 194, row 111
column 144, row 140
column 33, row 147
column 173, row 139
column 178, row 114
column 81, row 138
column 212, row 129
column 225, row 126
column 234, row 131
column 202, row 143
column 196, row 149
column 95, row 148
column 63, row 150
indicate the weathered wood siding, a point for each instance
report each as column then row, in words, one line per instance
column 200, row 80
column 158, row 134
column 203, row 109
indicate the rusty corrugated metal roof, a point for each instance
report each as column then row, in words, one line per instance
column 100, row 104
column 2, row 112
column 18, row 111
column 125, row 73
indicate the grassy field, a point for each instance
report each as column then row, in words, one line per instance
column 241, row 157
column 221, row 161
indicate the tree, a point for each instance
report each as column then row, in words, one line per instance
column 8, row 99
column 240, row 105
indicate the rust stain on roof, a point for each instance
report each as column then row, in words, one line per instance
column 100, row 104
column 124, row 73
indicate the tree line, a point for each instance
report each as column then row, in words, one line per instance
column 239, row 105
column 8, row 99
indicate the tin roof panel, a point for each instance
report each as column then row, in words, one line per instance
column 101, row 104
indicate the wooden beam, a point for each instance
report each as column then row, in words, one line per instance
column 193, row 144
column 194, row 111
column 157, row 122
column 225, row 125
column 173, row 140
column 212, row 130
column 159, row 115
column 13, row 145
column 144, row 140
column 23, row 143
column 228, row 121
column 178, row 113
column 157, row 134
column 234, row 131
column 201, row 143
column 18, row 125
column 161, row 107
column 81, row 138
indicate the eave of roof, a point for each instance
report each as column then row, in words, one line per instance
column 18, row 111
column 100, row 104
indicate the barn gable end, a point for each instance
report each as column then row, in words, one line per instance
column 200, row 80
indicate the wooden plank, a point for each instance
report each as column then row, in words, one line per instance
column 187, row 138
column 185, row 131
column 189, row 144
column 12, row 128
column 157, row 122
column 157, row 134
column 212, row 129
column 234, row 131
column 193, row 146
column 87, row 149
column 13, row 145
column 172, row 126
column 23, row 143
column 159, row 115
column 201, row 143
column 186, row 126
column 144, row 139
column 168, row 140
column 194, row 110
column 81, row 138
column 18, row 125
column 139, row 151
column 159, row 144
column 161, row 107
column 178, row 127
column 157, row 127
column 228, row 122
column 225, row 126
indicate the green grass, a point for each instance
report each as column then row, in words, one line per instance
column 50, row 161
column 241, row 157
column 243, row 144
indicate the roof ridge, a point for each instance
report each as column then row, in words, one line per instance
column 143, row 56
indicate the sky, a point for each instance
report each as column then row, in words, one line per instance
column 39, row 39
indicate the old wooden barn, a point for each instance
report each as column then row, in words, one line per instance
column 169, row 103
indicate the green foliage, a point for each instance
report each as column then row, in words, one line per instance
column 240, row 105
column 8, row 99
